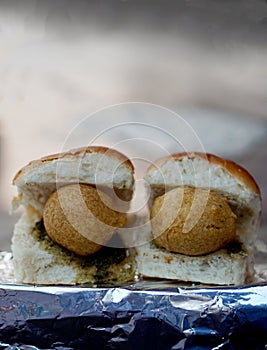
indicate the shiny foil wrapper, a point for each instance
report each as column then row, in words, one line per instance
column 143, row 315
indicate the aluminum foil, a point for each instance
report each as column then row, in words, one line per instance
column 144, row 315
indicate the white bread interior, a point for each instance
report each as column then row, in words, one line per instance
column 35, row 262
column 219, row 268
column 98, row 166
column 243, row 196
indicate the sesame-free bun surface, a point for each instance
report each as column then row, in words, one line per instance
column 237, row 171
column 94, row 165
column 81, row 219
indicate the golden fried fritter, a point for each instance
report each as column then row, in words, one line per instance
column 80, row 218
column 192, row 221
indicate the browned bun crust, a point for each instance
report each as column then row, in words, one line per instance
column 74, row 153
column 233, row 168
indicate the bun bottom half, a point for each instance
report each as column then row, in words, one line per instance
column 37, row 260
column 227, row 266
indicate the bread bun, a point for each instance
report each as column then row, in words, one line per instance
column 223, row 267
column 81, row 195
column 231, row 183
column 103, row 167
column 81, row 219
column 214, row 229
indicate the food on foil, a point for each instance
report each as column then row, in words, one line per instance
column 210, row 240
column 204, row 215
column 74, row 203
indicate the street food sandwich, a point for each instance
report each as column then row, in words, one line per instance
column 204, row 216
column 73, row 203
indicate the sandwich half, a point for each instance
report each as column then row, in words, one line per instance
column 73, row 205
column 204, row 217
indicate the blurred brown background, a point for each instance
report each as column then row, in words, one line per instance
column 61, row 61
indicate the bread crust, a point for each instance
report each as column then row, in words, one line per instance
column 233, row 168
column 77, row 152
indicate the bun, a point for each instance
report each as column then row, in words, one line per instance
column 92, row 165
column 225, row 178
column 227, row 266
column 37, row 258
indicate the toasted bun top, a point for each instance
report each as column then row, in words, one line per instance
column 94, row 165
column 74, row 153
column 233, row 168
column 227, row 178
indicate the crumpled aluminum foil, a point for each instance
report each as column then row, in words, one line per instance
column 144, row 315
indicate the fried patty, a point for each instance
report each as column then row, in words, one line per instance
column 80, row 218
column 192, row 221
